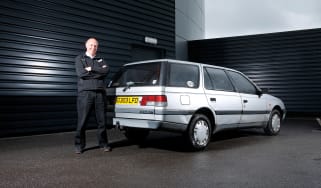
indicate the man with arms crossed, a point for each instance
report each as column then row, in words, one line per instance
column 91, row 71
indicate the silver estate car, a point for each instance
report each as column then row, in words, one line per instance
column 195, row 99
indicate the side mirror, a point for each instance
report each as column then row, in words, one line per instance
column 260, row 92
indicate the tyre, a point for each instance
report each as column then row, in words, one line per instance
column 274, row 125
column 136, row 135
column 199, row 132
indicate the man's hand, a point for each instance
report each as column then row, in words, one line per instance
column 104, row 66
column 88, row 69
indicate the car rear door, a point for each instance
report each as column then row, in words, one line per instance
column 222, row 98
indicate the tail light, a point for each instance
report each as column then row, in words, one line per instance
column 154, row 100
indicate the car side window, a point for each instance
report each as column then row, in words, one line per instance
column 217, row 79
column 183, row 75
column 207, row 81
column 242, row 84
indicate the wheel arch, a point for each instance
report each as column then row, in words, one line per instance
column 208, row 113
column 278, row 108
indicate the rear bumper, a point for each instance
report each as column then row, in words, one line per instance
column 149, row 124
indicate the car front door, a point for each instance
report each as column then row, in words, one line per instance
column 254, row 107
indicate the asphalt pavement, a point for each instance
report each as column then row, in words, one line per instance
column 238, row 158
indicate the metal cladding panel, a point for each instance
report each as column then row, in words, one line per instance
column 288, row 63
column 40, row 39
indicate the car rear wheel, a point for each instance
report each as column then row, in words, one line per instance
column 199, row 132
column 136, row 135
column 274, row 124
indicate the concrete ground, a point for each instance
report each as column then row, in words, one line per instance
column 239, row 158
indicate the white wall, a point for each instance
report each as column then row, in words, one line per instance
column 189, row 24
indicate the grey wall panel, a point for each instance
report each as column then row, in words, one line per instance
column 39, row 40
column 190, row 24
column 288, row 63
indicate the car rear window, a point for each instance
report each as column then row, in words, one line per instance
column 146, row 74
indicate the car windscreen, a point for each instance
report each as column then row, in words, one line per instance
column 146, row 74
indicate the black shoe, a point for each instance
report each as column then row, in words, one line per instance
column 78, row 150
column 106, row 148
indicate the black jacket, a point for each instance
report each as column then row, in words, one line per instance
column 94, row 79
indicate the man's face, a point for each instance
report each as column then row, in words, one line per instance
column 92, row 46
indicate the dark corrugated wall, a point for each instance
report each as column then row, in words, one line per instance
column 288, row 63
column 39, row 40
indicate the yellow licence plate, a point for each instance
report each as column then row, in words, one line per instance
column 127, row 100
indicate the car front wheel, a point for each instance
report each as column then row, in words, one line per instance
column 199, row 132
column 274, row 125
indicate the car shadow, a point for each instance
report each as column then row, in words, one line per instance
column 226, row 139
column 178, row 143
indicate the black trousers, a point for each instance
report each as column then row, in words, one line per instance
column 86, row 102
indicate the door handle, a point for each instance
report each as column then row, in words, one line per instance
column 213, row 99
column 245, row 101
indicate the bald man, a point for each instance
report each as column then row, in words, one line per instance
column 91, row 71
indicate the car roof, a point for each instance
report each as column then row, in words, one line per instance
column 178, row 61
column 161, row 60
column 187, row 62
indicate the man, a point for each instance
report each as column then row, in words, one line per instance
column 91, row 71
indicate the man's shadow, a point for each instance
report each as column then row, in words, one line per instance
column 114, row 144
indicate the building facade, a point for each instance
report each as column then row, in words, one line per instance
column 190, row 24
column 40, row 39
column 286, row 63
